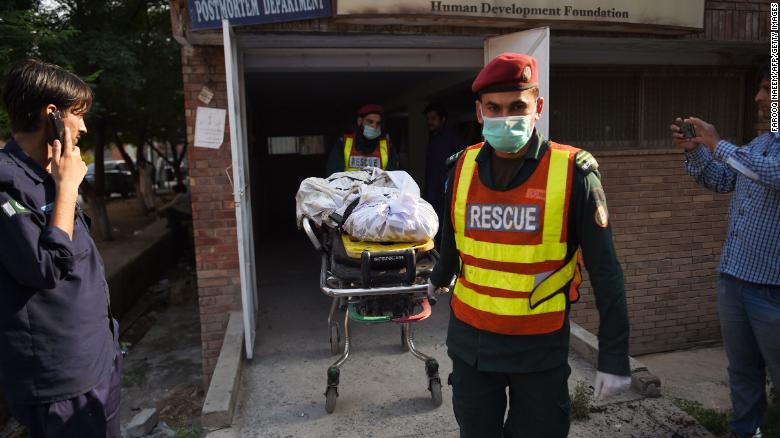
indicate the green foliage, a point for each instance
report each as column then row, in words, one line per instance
column 28, row 30
column 124, row 50
column 188, row 432
column 719, row 422
column 580, row 401
column 715, row 421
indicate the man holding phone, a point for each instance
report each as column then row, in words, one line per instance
column 60, row 362
column 749, row 286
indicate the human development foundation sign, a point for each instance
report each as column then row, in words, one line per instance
column 666, row 13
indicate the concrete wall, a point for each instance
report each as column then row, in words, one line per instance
column 668, row 234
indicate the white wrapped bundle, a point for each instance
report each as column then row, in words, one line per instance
column 393, row 217
column 317, row 198
column 389, row 207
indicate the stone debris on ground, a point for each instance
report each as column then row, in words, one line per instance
column 642, row 418
column 142, row 424
column 160, row 430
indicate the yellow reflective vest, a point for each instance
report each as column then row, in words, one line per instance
column 515, row 278
column 355, row 160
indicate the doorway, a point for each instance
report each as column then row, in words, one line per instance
column 294, row 120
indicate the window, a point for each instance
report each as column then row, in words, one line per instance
column 303, row 145
column 629, row 107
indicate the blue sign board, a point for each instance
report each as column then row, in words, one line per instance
column 208, row 14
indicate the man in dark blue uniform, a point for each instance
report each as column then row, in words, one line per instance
column 444, row 142
column 60, row 366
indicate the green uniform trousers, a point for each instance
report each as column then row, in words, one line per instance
column 538, row 402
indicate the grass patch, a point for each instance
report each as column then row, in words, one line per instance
column 188, row 432
column 715, row 421
column 580, row 401
column 134, row 377
column 718, row 422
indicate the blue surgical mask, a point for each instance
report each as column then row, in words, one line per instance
column 370, row 132
column 507, row 134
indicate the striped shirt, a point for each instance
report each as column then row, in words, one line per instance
column 751, row 251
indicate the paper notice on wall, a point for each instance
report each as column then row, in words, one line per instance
column 209, row 127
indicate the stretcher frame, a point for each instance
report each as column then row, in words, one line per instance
column 348, row 297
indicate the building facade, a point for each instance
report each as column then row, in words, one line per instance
column 616, row 83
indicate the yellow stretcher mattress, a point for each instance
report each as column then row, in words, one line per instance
column 354, row 248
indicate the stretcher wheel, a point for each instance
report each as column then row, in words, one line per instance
column 330, row 400
column 335, row 339
column 404, row 344
column 436, row 392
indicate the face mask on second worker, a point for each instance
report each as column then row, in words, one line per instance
column 507, row 134
column 371, row 132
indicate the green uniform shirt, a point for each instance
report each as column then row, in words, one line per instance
column 588, row 229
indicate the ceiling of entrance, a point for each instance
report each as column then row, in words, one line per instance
column 327, row 101
column 351, row 88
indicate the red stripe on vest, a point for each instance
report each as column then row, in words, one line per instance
column 493, row 291
column 516, row 268
column 508, row 325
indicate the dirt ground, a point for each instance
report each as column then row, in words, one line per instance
column 125, row 217
column 163, row 366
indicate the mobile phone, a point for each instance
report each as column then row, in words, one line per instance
column 57, row 127
column 686, row 128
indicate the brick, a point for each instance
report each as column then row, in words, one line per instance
column 668, row 241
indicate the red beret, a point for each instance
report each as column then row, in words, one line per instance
column 370, row 108
column 507, row 72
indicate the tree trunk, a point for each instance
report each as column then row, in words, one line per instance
column 101, row 224
column 177, row 166
column 145, row 174
column 136, row 171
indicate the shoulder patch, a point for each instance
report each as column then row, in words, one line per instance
column 12, row 208
column 453, row 159
column 585, row 161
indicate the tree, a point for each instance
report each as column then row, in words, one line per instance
column 125, row 51
column 29, row 30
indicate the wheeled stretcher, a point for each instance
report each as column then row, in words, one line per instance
column 373, row 283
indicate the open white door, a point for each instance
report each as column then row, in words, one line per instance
column 236, row 110
column 534, row 42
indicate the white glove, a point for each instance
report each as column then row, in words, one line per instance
column 607, row 385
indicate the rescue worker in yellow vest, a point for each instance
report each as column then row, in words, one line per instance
column 368, row 146
column 521, row 211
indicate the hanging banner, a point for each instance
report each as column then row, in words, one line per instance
column 208, row 14
column 671, row 13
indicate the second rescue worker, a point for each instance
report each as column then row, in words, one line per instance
column 368, row 146
column 521, row 210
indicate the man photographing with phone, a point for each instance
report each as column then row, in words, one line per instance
column 59, row 357
column 749, row 286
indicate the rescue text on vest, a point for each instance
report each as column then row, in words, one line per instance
column 496, row 217
column 359, row 162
